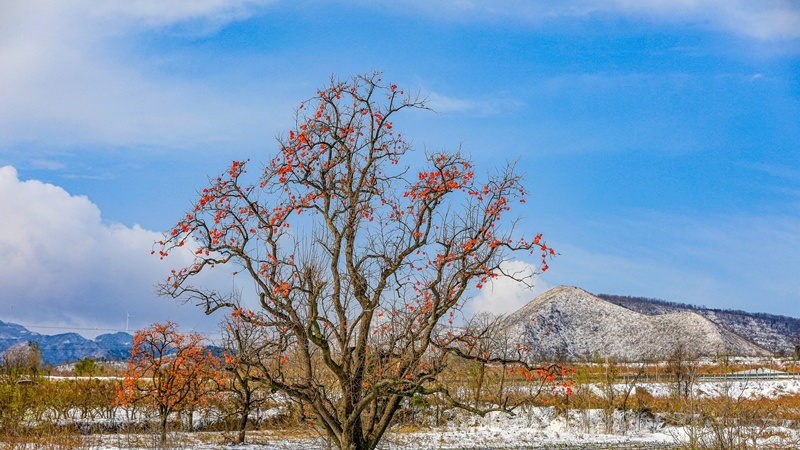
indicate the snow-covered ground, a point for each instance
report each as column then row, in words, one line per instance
column 529, row 428
column 532, row 428
column 734, row 388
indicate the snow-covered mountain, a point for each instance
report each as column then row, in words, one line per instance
column 779, row 334
column 65, row 347
column 571, row 324
column 563, row 323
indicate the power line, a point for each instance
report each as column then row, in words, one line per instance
column 51, row 327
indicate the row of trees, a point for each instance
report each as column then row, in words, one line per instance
column 176, row 374
column 174, row 377
column 169, row 373
column 173, row 372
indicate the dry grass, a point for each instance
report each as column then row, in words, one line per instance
column 45, row 440
column 745, row 421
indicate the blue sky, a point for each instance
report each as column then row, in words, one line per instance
column 660, row 138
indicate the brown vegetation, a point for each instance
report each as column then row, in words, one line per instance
column 67, row 413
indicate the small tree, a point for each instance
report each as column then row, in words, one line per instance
column 244, row 345
column 21, row 360
column 682, row 365
column 629, row 387
column 87, row 367
column 489, row 329
column 358, row 262
column 20, row 366
column 795, row 342
column 165, row 370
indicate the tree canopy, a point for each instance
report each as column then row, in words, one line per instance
column 359, row 261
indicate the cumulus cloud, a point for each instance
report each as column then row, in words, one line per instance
column 504, row 295
column 63, row 266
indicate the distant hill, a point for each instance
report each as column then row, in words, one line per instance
column 778, row 334
column 569, row 323
column 66, row 347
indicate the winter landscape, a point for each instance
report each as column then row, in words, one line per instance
column 548, row 428
column 690, row 396
column 399, row 225
column 542, row 428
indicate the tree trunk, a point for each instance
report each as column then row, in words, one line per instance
column 502, row 383
column 246, row 405
column 163, row 431
column 190, row 420
column 353, row 439
column 242, row 427
column 481, row 376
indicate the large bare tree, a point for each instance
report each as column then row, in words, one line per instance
column 358, row 260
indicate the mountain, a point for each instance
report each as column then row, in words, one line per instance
column 571, row 324
column 66, row 347
column 116, row 345
column 568, row 323
column 779, row 334
column 12, row 331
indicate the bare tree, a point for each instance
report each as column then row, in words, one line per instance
column 489, row 329
column 357, row 260
column 618, row 384
column 244, row 344
column 682, row 365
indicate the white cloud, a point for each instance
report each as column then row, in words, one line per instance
column 63, row 266
column 480, row 106
column 166, row 12
column 68, row 70
column 444, row 104
column 771, row 20
column 47, row 164
column 70, row 75
column 763, row 20
column 504, row 295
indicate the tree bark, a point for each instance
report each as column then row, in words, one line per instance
column 242, row 426
column 164, row 415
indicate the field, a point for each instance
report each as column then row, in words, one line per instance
column 612, row 406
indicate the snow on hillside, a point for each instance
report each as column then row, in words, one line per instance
column 780, row 334
column 59, row 348
column 571, row 324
